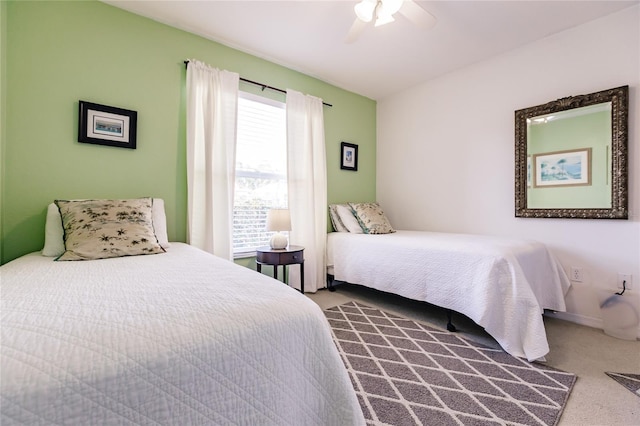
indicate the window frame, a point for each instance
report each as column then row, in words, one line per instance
column 248, row 253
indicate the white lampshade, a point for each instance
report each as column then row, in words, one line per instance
column 278, row 220
column 390, row 7
column 383, row 10
column 364, row 10
column 383, row 19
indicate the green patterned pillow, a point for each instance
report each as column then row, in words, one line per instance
column 371, row 218
column 100, row 229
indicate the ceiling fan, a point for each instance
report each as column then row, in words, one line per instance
column 383, row 11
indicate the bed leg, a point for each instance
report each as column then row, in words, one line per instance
column 330, row 286
column 450, row 325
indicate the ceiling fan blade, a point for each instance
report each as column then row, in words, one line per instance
column 355, row 31
column 417, row 15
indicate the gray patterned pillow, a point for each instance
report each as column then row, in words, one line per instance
column 100, row 229
column 371, row 218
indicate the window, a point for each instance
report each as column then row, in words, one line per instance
column 261, row 170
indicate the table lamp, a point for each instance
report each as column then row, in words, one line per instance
column 278, row 220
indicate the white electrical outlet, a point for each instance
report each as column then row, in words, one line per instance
column 576, row 274
column 626, row 278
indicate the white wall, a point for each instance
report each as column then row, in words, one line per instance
column 446, row 151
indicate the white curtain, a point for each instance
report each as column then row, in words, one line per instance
column 212, row 105
column 307, row 181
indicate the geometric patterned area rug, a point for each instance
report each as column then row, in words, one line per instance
column 407, row 373
column 629, row 381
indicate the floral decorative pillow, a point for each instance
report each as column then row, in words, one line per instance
column 372, row 219
column 100, row 229
column 54, row 233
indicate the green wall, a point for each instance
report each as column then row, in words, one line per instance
column 57, row 53
column 3, row 109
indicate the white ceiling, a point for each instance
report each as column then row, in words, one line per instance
column 308, row 36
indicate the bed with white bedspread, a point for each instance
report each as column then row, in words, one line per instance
column 180, row 338
column 502, row 284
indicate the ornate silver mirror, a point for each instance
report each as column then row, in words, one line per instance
column 571, row 157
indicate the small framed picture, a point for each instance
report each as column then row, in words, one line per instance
column 562, row 168
column 106, row 125
column 349, row 156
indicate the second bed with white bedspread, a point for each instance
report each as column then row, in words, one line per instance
column 502, row 284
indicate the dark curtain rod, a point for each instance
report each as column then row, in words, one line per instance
column 264, row 86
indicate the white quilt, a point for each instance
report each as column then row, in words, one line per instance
column 180, row 338
column 502, row 284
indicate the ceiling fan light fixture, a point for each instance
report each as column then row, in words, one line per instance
column 383, row 11
column 364, row 10
column 383, row 18
column 390, row 7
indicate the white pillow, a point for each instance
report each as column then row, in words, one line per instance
column 338, row 226
column 160, row 222
column 348, row 219
column 54, row 233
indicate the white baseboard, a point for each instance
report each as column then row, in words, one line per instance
column 576, row 318
column 580, row 319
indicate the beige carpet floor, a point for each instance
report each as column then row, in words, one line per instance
column 596, row 399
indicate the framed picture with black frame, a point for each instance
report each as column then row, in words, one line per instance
column 349, row 156
column 107, row 125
